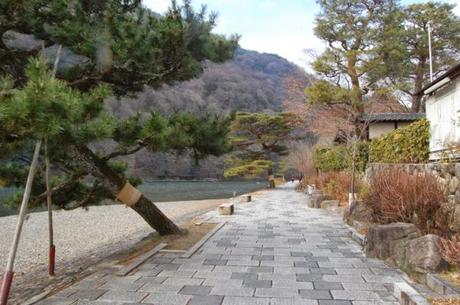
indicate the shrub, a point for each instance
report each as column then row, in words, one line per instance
column 335, row 184
column 404, row 145
column 396, row 196
column 450, row 250
column 339, row 157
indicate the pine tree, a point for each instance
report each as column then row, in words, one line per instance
column 259, row 140
column 125, row 47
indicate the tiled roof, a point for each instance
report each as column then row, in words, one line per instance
column 392, row 116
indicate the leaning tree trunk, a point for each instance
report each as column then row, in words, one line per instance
column 116, row 184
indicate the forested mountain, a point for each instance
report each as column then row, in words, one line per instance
column 252, row 81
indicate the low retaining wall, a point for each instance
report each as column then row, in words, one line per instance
column 447, row 173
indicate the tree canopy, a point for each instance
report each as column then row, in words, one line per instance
column 259, row 140
column 109, row 47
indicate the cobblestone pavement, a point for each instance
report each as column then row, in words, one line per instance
column 273, row 251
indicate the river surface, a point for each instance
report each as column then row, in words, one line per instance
column 161, row 191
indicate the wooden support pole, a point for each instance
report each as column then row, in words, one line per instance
column 8, row 276
column 52, row 248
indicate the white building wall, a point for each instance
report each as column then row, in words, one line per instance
column 380, row 128
column 443, row 112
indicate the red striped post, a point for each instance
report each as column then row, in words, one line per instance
column 6, row 286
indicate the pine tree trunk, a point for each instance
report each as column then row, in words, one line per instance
column 418, row 85
column 114, row 182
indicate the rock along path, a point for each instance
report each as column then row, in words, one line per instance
column 272, row 251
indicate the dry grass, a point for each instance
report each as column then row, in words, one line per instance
column 397, row 196
column 450, row 249
column 446, row 302
column 335, row 184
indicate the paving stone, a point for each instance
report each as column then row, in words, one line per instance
column 257, row 283
column 244, row 276
column 354, row 295
column 182, row 281
column 309, row 277
column 261, row 269
column 205, row 300
column 273, row 251
column 167, row 299
column 245, row 301
column 123, row 296
column 216, row 262
column 56, row 301
column 277, row 292
column 284, row 301
column 322, row 285
column 231, row 291
column 88, row 294
column 315, row 294
column 195, row 290
column 159, row 287
column 335, row 302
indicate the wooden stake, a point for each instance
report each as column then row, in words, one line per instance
column 52, row 248
column 8, row 276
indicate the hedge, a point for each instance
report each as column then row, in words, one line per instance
column 338, row 157
column 404, row 145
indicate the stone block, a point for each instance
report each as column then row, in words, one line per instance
column 382, row 239
column 226, row 209
column 314, row 200
column 329, row 204
column 245, row 198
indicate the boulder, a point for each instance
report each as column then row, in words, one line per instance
column 382, row 240
column 329, row 204
column 357, row 211
column 454, row 185
column 68, row 60
column 21, row 42
column 420, row 255
column 454, row 224
column 314, row 200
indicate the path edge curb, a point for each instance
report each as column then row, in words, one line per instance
column 202, row 241
column 139, row 260
column 407, row 295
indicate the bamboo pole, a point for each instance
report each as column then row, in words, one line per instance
column 8, row 276
column 52, row 248
column 49, row 202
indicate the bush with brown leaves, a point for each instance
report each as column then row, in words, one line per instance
column 397, row 196
column 450, row 250
column 335, row 184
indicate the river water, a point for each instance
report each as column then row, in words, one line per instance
column 160, row 191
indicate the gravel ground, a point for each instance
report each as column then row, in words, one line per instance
column 79, row 234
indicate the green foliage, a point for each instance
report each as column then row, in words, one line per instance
column 251, row 169
column 128, row 45
column 339, row 157
column 402, row 45
column 323, row 92
column 258, row 140
column 48, row 108
column 404, row 145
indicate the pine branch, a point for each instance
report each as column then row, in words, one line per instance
column 124, row 152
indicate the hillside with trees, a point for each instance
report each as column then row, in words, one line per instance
column 251, row 82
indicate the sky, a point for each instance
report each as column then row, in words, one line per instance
column 283, row 27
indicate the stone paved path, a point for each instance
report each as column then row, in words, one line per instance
column 273, row 251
